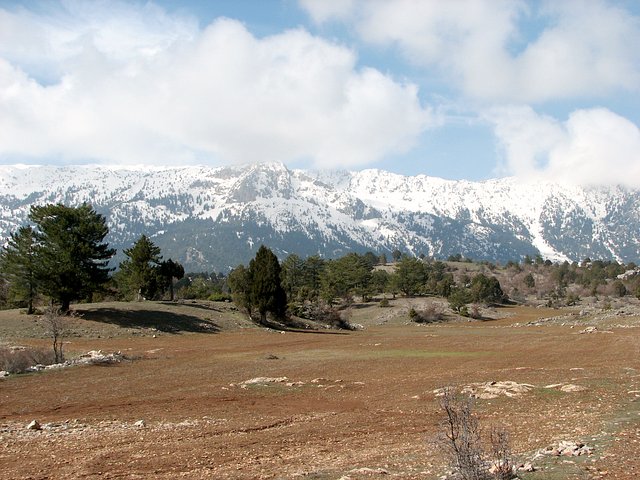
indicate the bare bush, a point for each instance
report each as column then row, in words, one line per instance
column 461, row 439
column 19, row 359
column 501, row 462
column 57, row 326
column 432, row 312
column 323, row 312
column 461, row 436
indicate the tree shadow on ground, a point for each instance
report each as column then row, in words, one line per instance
column 296, row 327
column 192, row 304
column 169, row 322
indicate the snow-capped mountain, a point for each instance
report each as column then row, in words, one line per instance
column 215, row 218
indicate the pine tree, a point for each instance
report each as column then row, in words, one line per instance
column 18, row 267
column 167, row 271
column 239, row 284
column 72, row 258
column 412, row 275
column 293, row 275
column 138, row 273
column 266, row 294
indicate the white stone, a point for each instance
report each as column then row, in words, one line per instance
column 34, row 425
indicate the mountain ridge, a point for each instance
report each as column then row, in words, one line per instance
column 212, row 218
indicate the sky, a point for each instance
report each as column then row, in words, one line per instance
column 459, row 89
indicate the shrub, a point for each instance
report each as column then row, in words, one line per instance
column 220, row 297
column 429, row 314
column 460, row 437
column 619, row 288
column 461, row 440
column 384, row 303
column 322, row 312
column 572, row 299
column 18, row 360
column 57, row 326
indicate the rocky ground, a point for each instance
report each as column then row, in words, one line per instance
column 234, row 401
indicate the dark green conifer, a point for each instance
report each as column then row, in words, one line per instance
column 266, row 294
column 18, row 267
column 72, row 258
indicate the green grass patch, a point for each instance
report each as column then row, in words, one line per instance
column 380, row 353
column 413, row 353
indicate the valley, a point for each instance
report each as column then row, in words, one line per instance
column 240, row 401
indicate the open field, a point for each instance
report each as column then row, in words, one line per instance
column 354, row 404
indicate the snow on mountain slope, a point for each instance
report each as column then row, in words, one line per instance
column 214, row 218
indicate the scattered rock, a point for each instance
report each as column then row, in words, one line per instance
column 572, row 388
column 263, row 381
column 320, row 380
column 4, row 373
column 554, row 385
column 34, row 425
column 294, row 384
column 566, row 387
column 140, row 424
column 370, row 471
column 567, row 449
column 589, row 330
column 526, row 467
column 490, row 390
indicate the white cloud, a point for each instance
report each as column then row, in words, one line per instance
column 584, row 48
column 325, row 10
column 131, row 84
column 592, row 147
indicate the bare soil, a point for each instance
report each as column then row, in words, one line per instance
column 354, row 404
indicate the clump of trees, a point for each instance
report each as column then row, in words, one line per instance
column 63, row 256
column 144, row 275
column 565, row 283
column 324, row 290
column 258, row 289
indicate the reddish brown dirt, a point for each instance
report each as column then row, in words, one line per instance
column 372, row 407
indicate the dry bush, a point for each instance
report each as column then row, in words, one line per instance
column 328, row 314
column 56, row 324
column 461, row 440
column 460, row 437
column 18, row 360
column 432, row 312
column 501, row 462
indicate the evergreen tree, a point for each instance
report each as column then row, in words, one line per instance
column 18, row 267
column 138, row 274
column 72, row 258
column 346, row 276
column 486, row 289
column 379, row 281
column 239, row 284
column 312, row 275
column 266, row 294
column 293, row 275
column 411, row 275
column 167, row 271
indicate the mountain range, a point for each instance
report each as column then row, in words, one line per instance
column 212, row 219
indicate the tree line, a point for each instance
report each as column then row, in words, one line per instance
column 61, row 256
column 312, row 286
